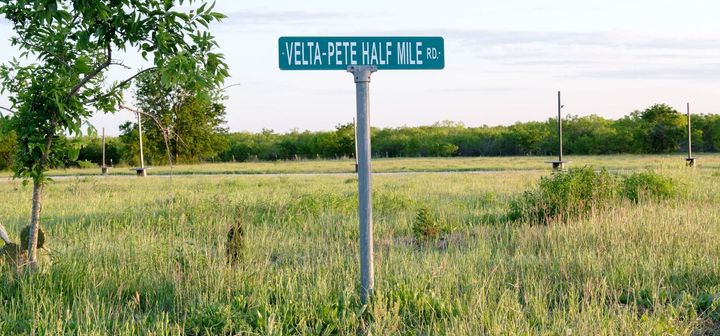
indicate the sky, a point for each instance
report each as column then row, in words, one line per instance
column 504, row 61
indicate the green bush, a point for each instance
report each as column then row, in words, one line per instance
column 577, row 192
column 565, row 195
column 86, row 164
column 425, row 227
column 648, row 185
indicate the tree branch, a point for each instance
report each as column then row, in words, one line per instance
column 93, row 73
column 121, row 84
column 229, row 86
column 6, row 109
column 165, row 130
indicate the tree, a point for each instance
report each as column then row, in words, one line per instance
column 8, row 140
column 69, row 47
column 193, row 126
column 663, row 128
column 91, row 150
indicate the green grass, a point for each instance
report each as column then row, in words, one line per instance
column 395, row 165
column 146, row 256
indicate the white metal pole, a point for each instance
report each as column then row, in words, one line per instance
column 103, row 168
column 689, row 132
column 142, row 158
column 362, row 86
column 560, row 147
column 103, row 159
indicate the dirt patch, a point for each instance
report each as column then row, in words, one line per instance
column 707, row 328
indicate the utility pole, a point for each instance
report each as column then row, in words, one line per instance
column 690, row 160
column 559, row 164
column 103, row 168
column 141, row 171
column 560, row 149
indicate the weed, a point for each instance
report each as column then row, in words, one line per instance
column 425, row 226
column 565, row 195
column 648, row 185
column 235, row 241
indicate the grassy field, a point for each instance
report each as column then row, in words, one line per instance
column 146, row 257
column 399, row 165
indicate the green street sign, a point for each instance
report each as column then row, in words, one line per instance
column 338, row 53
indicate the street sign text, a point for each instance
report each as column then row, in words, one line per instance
column 337, row 53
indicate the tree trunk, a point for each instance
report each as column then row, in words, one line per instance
column 34, row 224
column 38, row 187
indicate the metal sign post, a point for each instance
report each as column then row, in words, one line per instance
column 362, row 75
column 690, row 160
column 362, row 56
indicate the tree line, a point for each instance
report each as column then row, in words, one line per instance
column 657, row 129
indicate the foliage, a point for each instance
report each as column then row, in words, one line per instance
column 663, row 128
column 425, row 226
column 650, row 185
column 573, row 194
column 84, row 164
column 191, row 126
column 91, row 150
column 8, row 138
column 68, row 46
column 565, row 196
column 589, row 135
column 656, row 130
column 74, row 44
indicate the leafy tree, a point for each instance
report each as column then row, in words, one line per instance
column 91, row 150
column 69, row 46
column 588, row 135
column 8, row 139
column 192, row 125
column 663, row 128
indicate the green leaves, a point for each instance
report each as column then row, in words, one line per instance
column 73, row 42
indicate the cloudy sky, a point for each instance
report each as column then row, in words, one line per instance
column 505, row 61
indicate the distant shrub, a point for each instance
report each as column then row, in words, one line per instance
column 579, row 191
column 565, row 195
column 86, row 164
column 648, row 185
column 425, row 226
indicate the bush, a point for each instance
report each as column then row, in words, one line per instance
column 425, row 227
column 86, row 164
column 565, row 195
column 648, row 185
column 579, row 191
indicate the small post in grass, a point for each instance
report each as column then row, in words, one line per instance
column 559, row 164
column 140, row 172
column 689, row 160
column 103, row 168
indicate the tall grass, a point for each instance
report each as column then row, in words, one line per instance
column 125, row 259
